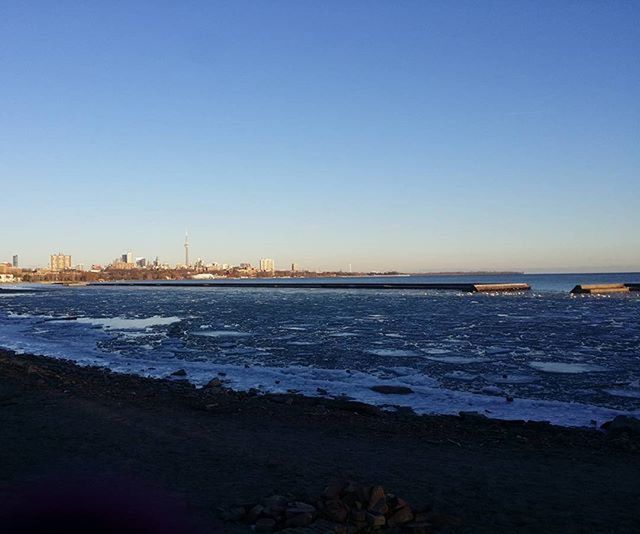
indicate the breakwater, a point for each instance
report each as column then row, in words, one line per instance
column 464, row 287
column 604, row 288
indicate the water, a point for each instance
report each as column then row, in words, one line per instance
column 566, row 359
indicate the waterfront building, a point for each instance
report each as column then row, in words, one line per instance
column 267, row 265
column 122, row 265
column 6, row 268
column 60, row 262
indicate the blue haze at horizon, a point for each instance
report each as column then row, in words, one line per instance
column 413, row 137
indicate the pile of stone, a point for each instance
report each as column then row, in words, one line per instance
column 343, row 508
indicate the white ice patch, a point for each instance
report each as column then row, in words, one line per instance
column 457, row 359
column 13, row 315
column 393, row 352
column 566, row 368
column 222, row 333
column 124, row 323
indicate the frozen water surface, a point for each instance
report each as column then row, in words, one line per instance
column 564, row 359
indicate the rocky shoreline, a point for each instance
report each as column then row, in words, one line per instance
column 216, row 449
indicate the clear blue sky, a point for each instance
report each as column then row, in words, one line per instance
column 390, row 135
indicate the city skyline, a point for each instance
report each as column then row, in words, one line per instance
column 290, row 132
column 128, row 256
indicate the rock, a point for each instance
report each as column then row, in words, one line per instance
column 275, row 503
column 419, row 527
column 214, row 383
column 401, row 516
column 300, row 520
column 266, row 524
column 322, row 526
column 235, row 513
column 299, row 507
column 335, row 510
column 179, row 372
column 375, row 520
column 623, row 423
column 375, row 494
column 380, row 506
column 358, row 515
column 392, row 390
column 395, row 503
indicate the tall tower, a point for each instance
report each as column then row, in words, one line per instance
column 186, row 249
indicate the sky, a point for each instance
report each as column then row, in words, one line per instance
column 414, row 136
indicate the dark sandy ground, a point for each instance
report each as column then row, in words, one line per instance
column 183, row 453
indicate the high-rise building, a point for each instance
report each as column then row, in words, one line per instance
column 15, row 260
column 59, row 262
column 141, row 262
column 267, row 265
column 295, row 267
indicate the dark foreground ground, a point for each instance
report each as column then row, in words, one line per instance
column 181, row 453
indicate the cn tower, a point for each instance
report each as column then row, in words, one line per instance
column 186, row 249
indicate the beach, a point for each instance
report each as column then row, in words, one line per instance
column 211, row 448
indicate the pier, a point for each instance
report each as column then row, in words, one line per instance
column 588, row 289
column 464, row 287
